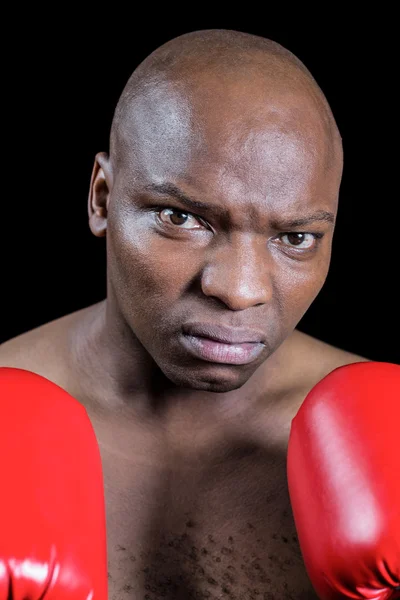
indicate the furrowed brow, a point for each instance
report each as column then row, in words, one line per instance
column 192, row 204
column 189, row 202
column 319, row 216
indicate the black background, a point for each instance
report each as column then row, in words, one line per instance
column 62, row 80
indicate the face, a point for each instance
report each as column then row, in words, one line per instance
column 219, row 213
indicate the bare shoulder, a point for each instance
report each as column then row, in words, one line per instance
column 43, row 350
column 301, row 362
column 317, row 358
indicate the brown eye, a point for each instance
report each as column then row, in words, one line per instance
column 301, row 240
column 179, row 218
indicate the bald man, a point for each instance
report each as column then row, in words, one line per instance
column 218, row 200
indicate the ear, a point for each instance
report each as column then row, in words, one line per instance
column 99, row 194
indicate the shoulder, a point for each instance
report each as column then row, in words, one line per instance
column 312, row 359
column 28, row 349
column 299, row 364
column 44, row 350
column 317, row 358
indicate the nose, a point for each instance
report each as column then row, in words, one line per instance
column 238, row 274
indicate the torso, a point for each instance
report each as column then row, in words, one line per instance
column 200, row 527
column 201, row 515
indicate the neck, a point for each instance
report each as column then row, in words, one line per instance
column 118, row 375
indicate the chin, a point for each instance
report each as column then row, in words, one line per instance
column 213, row 378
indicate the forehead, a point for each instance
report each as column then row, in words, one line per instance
column 238, row 138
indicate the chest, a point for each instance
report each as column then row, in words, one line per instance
column 200, row 528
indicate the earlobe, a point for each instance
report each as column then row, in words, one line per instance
column 99, row 194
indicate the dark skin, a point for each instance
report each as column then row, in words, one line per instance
column 238, row 261
column 218, row 202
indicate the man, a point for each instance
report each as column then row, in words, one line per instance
column 218, row 200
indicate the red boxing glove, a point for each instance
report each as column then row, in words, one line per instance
column 344, row 482
column 52, row 517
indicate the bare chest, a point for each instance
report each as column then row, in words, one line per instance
column 202, row 529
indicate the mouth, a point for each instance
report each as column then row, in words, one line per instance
column 224, row 345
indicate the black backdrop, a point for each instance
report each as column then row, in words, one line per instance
column 62, row 81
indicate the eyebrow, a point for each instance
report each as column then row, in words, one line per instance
column 193, row 204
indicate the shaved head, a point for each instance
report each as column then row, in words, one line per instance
column 229, row 67
column 218, row 199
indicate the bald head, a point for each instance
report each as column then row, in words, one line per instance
column 222, row 148
column 219, row 67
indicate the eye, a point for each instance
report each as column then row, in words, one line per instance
column 301, row 240
column 179, row 218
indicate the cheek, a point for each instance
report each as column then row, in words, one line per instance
column 299, row 286
column 147, row 266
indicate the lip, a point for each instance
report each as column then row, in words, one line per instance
column 219, row 352
column 225, row 335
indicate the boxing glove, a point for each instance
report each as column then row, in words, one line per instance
column 52, row 517
column 343, row 468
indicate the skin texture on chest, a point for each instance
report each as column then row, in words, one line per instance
column 198, row 529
